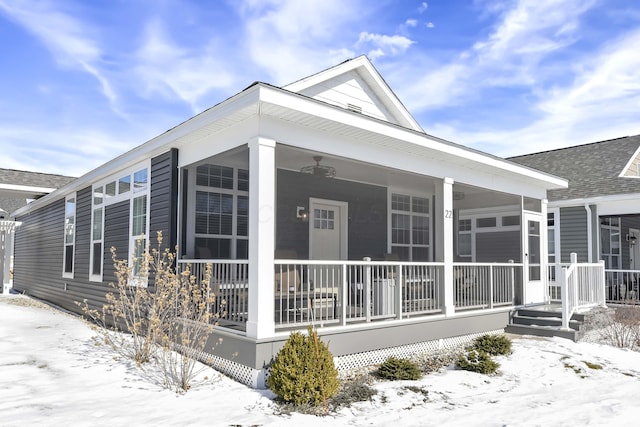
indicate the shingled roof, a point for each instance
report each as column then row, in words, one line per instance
column 592, row 170
column 10, row 197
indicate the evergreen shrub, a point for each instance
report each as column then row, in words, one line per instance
column 399, row 369
column 493, row 345
column 477, row 361
column 303, row 372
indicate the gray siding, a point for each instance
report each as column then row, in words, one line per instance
column 501, row 246
column 367, row 213
column 39, row 253
column 573, row 233
column 39, row 242
column 163, row 208
column 116, row 235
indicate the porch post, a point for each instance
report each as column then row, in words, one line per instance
column 447, row 244
column 262, row 189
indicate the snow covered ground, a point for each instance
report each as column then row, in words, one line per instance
column 51, row 373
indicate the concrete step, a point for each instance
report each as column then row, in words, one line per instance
column 541, row 331
column 519, row 319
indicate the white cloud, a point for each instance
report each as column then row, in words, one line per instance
column 423, row 7
column 601, row 103
column 509, row 56
column 171, row 70
column 68, row 40
column 411, row 22
column 289, row 39
column 430, row 25
column 382, row 44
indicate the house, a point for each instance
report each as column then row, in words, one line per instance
column 17, row 188
column 598, row 215
column 320, row 202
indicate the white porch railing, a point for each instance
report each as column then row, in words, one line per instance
column 342, row 292
column 622, row 286
column 582, row 286
column 485, row 285
column 346, row 292
column 229, row 283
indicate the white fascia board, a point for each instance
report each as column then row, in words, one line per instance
column 619, row 204
column 155, row 146
column 348, row 118
column 28, row 189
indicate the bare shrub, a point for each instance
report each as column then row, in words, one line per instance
column 622, row 328
column 148, row 322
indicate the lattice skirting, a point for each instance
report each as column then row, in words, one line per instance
column 256, row 378
column 374, row 357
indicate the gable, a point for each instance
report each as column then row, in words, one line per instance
column 357, row 86
column 632, row 168
column 349, row 91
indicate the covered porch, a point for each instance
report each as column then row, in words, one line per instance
column 298, row 237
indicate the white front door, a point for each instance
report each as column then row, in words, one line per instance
column 533, row 274
column 327, row 229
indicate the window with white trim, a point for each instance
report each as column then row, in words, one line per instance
column 610, row 241
column 132, row 186
column 410, row 227
column 465, row 239
column 221, row 212
column 69, row 235
column 97, row 233
column 139, row 224
column 473, row 222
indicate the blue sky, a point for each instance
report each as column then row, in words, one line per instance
column 84, row 81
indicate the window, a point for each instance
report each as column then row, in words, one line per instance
column 134, row 188
column 475, row 226
column 221, row 228
column 324, row 219
column 410, row 230
column 610, row 241
column 552, row 235
column 69, row 235
column 138, row 241
column 511, row 220
column 486, row 222
column 464, row 238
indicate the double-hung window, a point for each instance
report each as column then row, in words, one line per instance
column 221, row 212
column 610, row 241
column 139, row 220
column 69, row 235
column 410, row 231
column 97, row 234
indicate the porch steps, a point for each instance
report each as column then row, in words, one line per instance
column 544, row 323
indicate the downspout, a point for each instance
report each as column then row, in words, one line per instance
column 589, row 234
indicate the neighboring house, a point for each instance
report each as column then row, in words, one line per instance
column 17, row 188
column 598, row 215
column 319, row 202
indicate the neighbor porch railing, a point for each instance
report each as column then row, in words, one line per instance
column 339, row 293
column 622, row 286
column 582, row 286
